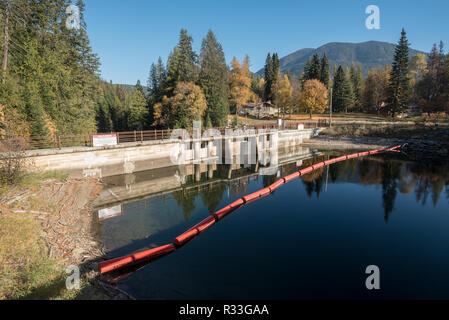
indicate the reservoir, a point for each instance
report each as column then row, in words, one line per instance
column 313, row 238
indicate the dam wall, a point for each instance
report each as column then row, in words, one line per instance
column 132, row 157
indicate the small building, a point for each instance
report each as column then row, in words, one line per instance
column 259, row 110
column 412, row 110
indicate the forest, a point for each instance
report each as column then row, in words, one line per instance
column 51, row 81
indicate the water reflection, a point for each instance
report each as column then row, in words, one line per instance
column 211, row 182
column 393, row 175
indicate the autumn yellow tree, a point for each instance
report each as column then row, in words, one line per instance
column 283, row 93
column 240, row 83
column 187, row 105
column 313, row 97
column 296, row 88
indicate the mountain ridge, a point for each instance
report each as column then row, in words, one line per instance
column 369, row 53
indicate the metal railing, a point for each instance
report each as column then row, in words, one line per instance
column 86, row 140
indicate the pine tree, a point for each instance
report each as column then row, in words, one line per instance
column 186, row 58
column 306, row 74
column 325, row 71
column 139, row 87
column 138, row 112
column 181, row 63
column 156, row 84
column 276, row 70
column 214, row 80
column 342, row 94
column 103, row 117
column 348, row 91
column 269, row 76
column 398, row 90
column 356, row 76
column 315, row 68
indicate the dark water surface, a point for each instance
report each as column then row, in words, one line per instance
column 313, row 238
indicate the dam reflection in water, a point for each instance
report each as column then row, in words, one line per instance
column 313, row 238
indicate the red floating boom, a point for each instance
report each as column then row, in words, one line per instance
column 130, row 260
column 185, row 237
column 133, row 259
column 277, row 184
column 291, row 177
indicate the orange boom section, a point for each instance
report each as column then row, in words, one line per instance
column 132, row 259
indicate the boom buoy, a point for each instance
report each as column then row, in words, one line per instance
column 292, row 176
column 132, row 259
column 277, row 184
column 185, row 237
column 113, row 264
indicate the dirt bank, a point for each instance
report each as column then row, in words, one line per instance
column 435, row 149
column 67, row 226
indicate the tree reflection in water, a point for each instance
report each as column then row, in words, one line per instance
column 391, row 174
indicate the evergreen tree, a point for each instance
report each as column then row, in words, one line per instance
column 398, row 90
column 186, row 58
column 325, row 71
column 306, row 74
column 103, row 117
column 138, row 112
column 214, row 80
column 315, row 68
column 139, row 87
column 342, row 94
column 181, row 63
column 269, row 76
column 356, row 76
column 276, row 70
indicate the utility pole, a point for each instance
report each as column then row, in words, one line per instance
column 6, row 42
column 330, row 111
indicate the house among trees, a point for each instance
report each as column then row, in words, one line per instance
column 259, row 110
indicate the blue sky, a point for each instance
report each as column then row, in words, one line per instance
column 129, row 35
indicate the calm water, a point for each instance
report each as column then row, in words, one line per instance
column 312, row 238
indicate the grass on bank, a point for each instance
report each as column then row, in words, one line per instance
column 33, row 180
column 341, row 117
column 26, row 270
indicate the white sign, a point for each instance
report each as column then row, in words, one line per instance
column 300, row 126
column 107, row 213
column 101, row 140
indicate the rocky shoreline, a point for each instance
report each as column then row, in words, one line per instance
column 415, row 149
